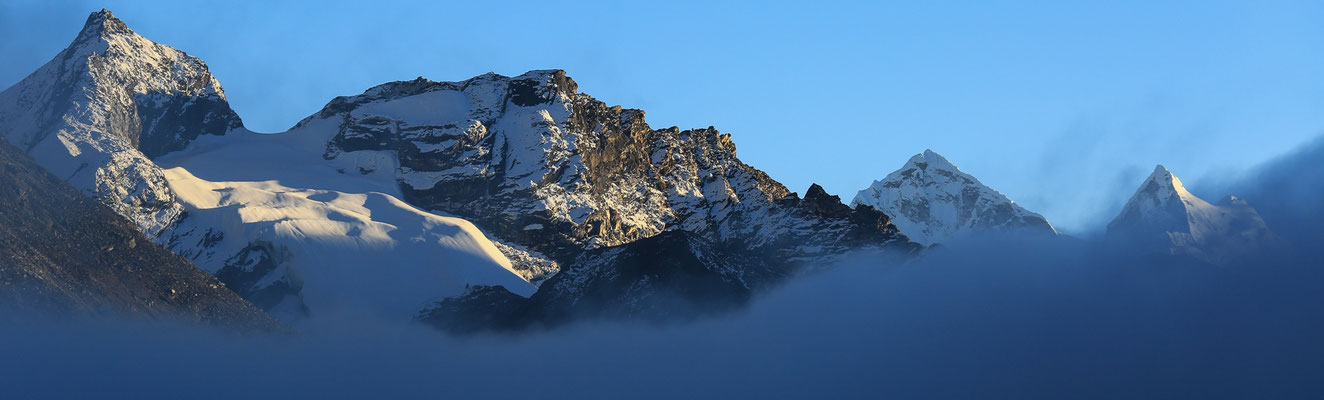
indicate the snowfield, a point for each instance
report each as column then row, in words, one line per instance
column 345, row 239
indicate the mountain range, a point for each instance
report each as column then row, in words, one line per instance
column 493, row 202
column 414, row 192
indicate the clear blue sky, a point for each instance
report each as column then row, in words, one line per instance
column 1065, row 108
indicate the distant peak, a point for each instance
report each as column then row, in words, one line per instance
column 1161, row 186
column 931, row 201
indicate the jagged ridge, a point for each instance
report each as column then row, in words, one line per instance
column 547, row 167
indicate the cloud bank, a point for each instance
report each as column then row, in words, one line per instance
column 986, row 318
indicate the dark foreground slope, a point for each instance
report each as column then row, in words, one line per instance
column 64, row 252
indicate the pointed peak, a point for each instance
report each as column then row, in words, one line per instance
column 1162, row 187
column 816, row 194
column 1165, row 179
column 822, row 203
column 930, row 158
column 816, row 191
column 1160, row 172
column 102, row 23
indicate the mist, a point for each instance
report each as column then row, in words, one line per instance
column 989, row 317
column 1288, row 192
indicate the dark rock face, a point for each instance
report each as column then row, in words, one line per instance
column 669, row 276
column 482, row 308
column 672, row 275
column 172, row 122
column 62, row 251
column 862, row 224
column 243, row 272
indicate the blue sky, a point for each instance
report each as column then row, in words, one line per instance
column 1064, row 108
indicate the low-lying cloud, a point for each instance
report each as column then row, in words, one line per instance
column 987, row 318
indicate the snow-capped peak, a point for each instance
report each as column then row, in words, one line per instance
column 1166, row 183
column 931, row 200
column 1162, row 215
column 97, row 112
column 1161, row 202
